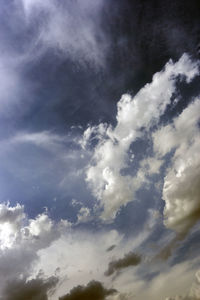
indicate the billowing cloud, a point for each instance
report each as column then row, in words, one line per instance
column 94, row 290
column 135, row 115
column 181, row 191
column 35, row 289
column 130, row 259
column 21, row 238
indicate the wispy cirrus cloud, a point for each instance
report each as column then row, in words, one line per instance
column 72, row 29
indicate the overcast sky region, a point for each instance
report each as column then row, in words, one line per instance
column 99, row 150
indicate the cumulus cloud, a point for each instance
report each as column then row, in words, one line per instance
column 130, row 259
column 134, row 116
column 16, row 229
column 93, row 290
column 181, row 189
column 21, row 238
column 35, row 289
column 84, row 215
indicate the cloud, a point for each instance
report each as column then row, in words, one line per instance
column 135, row 115
column 25, row 151
column 130, row 259
column 21, row 238
column 94, row 290
column 151, row 165
column 181, row 190
column 14, row 88
column 111, row 248
column 193, row 293
column 168, row 280
column 81, row 256
column 17, row 230
column 73, row 29
column 35, row 289
column 84, row 215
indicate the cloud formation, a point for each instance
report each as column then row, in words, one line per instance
column 72, row 29
column 181, row 190
column 35, row 289
column 135, row 115
column 93, row 290
column 21, row 239
column 194, row 291
column 130, row 259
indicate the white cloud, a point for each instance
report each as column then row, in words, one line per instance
column 21, row 239
column 81, row 256
column 167, row 282
column 84, row 215
column 111, row 155
column 151, row 165
column 181, row 189
column 71, row 28
column 76, row 256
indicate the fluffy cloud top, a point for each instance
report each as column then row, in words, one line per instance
column 21, row 239
column 181, row 191
column 111, row 155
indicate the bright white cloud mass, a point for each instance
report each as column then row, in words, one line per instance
column 135, row 116
column 99, row 150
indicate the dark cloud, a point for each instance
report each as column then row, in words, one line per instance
column 111, row 248
column 35, row 289
column 93, row 291
column 130, row 259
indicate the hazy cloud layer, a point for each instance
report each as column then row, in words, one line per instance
column 72, row 28
column 193, row 293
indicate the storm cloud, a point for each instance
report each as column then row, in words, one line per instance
column 93, row 290
column 35, row 289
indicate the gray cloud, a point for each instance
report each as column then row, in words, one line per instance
column 110, row 248
column 181, row 189
column 193, row 293
column 130, row 259
column 35, row 289
column 94, row 290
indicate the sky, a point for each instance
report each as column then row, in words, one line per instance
column 99, row 150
